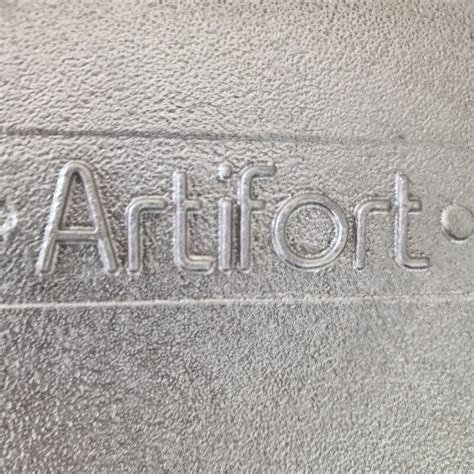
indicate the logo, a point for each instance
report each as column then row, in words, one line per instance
column 237, row 212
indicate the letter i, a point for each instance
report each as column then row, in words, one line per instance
column 225, row 223
column 225, row 233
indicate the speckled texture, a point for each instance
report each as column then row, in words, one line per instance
column 373, row 387
column 371, row 69
column 272, row 370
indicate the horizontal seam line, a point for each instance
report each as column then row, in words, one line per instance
column 432, row 298
column 8, row 131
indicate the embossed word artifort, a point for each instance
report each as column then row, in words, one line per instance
column 402, row 204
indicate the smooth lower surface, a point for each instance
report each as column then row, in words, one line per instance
column 379, row 386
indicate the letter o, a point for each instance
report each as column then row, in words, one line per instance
column 323, row 258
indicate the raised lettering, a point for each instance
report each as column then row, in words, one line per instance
column 404, row 205
column 54, row 235
column 280, row 223
column 133, row 213
column 247, row 207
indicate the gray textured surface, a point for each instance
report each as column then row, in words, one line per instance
column 275, row 369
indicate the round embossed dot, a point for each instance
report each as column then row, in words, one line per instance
column 225, row 171
column 458, row 222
